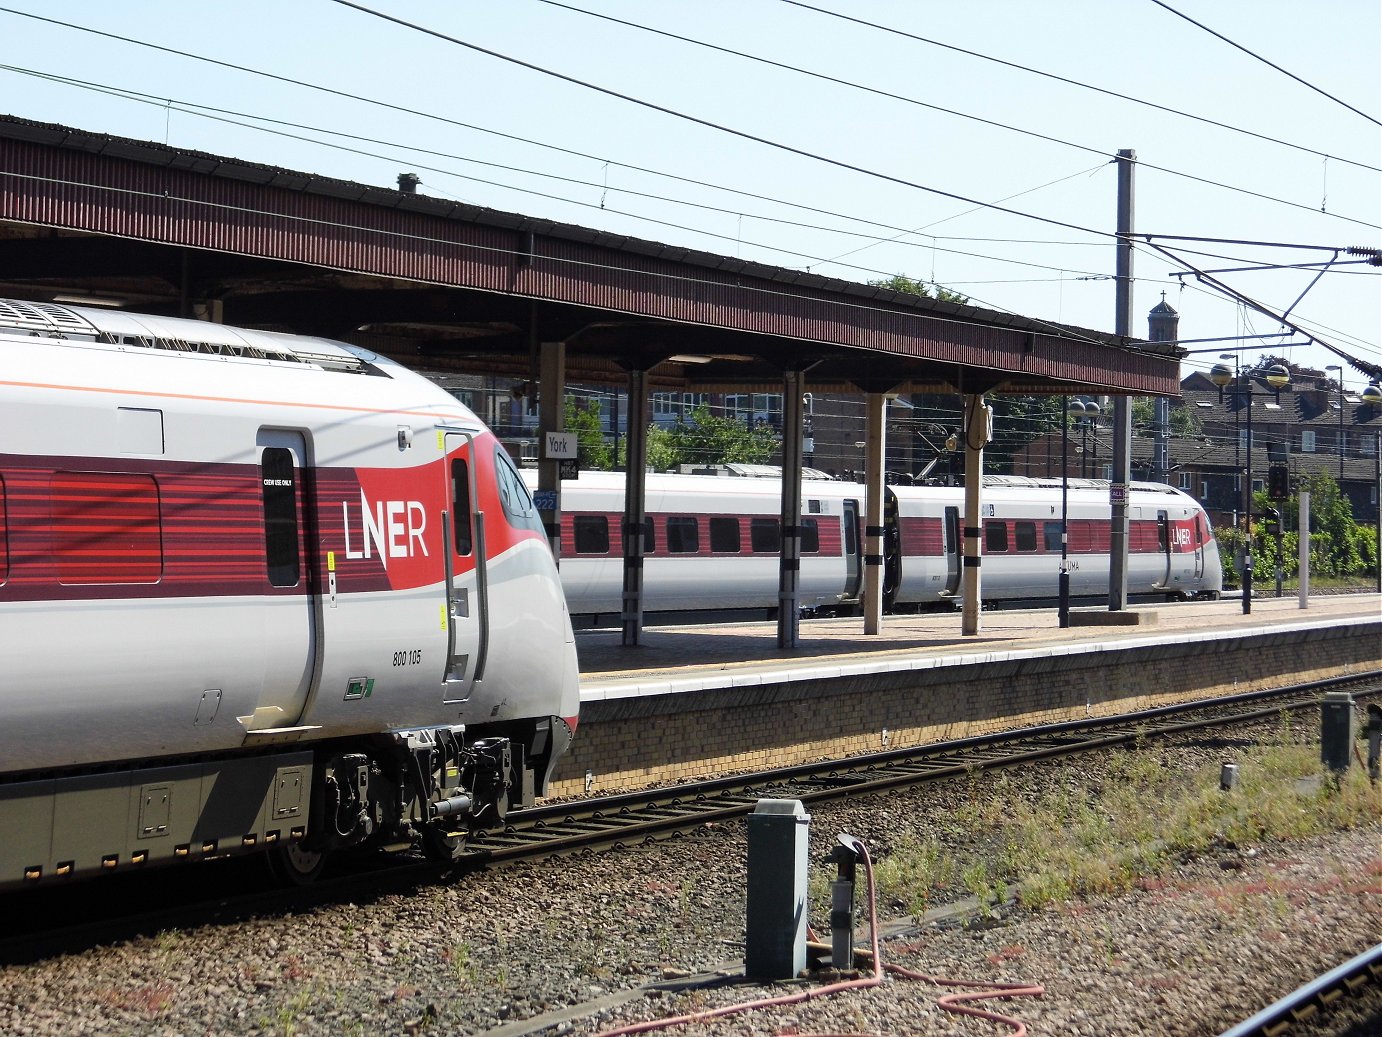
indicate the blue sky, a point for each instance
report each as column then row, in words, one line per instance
column 582, row 157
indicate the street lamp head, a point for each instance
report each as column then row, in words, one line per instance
column 1220, row 375
column 1075, row 408
column 1278, row 377
column 1372, row 395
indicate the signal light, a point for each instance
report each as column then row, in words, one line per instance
column 1278, row 482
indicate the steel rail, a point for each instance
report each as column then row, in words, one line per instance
column 1323, row 993
column 642, row 816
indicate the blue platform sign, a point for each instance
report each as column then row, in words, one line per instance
column 545, row 500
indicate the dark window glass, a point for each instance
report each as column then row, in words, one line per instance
column 765, row 535
column 460, row 505
column 724, row 534
column 4, row 537
column 106, row 528
column 1051, row 531
column 683, row 534
column 514, row 497
column 279, row 479
column 810, row 537
column 592, row 534
column 1026, row 536
column 995, row 536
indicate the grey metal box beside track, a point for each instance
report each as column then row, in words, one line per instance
column 779, row 851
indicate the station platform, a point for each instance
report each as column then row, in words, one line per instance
column 693, row 701
column 700, row 657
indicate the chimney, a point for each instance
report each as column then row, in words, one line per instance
column 407, row 182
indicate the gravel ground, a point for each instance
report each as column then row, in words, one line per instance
column 508, row 950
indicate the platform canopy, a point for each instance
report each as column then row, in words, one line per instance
column 88, row 218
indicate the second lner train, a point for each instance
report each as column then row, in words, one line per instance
column 712, row 543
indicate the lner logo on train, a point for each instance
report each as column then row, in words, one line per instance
column 388, row 527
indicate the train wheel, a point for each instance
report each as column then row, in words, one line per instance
column 441, row 844
column 294, row 866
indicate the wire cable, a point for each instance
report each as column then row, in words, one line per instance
column 1270, row 64
column 1076, row 82
column 933, row 107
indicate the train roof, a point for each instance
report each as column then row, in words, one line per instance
column 178, row 334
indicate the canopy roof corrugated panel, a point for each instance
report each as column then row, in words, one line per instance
column 618, row 301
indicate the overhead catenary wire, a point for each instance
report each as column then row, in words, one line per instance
column 232, row 117
column 924, row 104
column 1252, row 54
column 1077, row 83
column 508, row 136
column 732, row 131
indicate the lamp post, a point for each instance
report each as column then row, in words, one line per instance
column 1277, row 378
column 1085, row 412
column 1340, row 441
column 1237, row 432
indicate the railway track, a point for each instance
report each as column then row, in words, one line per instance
column 611, row 821
column 59, row 920
column 1311, row 1004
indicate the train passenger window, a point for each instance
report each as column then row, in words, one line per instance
column 765, row 535
column 1050, row 532
column 592, row 534
column 1026, row 536
column 514, row 497
column 106, row 528
column 683, row 534
column 810, row 536
column 724, row 534
column 279, row 480
column 4, row 536
column 995, row 536
column 460, row 505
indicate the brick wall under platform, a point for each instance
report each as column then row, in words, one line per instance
column 636, row 741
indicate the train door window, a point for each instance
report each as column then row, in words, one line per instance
column 460, row 505
column 683, row 534
column 1026, row 536
column 592, row 534
column 514, row 497
column 810, row 537
column 765, row 535
column 724, row 534
column 279, row 479
column 1163, row 540
column 1050, row 532
column 995, row 536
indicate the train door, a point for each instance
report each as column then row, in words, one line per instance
column 1201, row 536
column 1163, row 543
column 851, row 549
column 289, row 635
column 950, row 531
column 466, row 587
column 892, row 549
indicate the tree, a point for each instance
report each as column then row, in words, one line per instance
column 1183, row 422
column 911, row 286
column 706, row 439
column 584, row 419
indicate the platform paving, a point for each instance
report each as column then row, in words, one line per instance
column 696, row 657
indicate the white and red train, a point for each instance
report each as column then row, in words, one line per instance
column 715, row 543
column 257, row 592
